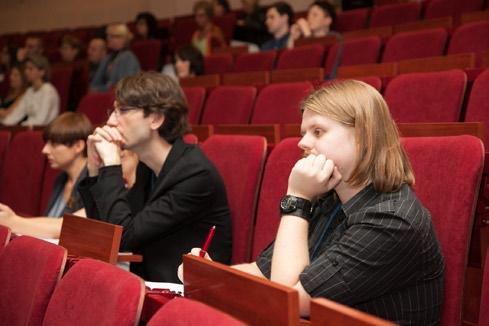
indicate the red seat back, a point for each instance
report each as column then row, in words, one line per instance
column 95, row 106
column 279, row 103
column 218, row 63
column 301, row 57
column 61, row 76
column 351, row 20
column 4, row 236
column 412, row 45
column 448, row 172
column 229, row 105
column 274, row 186
column 148, row 53
column 478, row 106
column 195, row 100
column 227, row 152
column 484, row 306
column 255, row 61
column 185, row 312
column 354, row 52
column 96, row 293
column 426, row 97
column 389, row 15
column 29, row 271
column 470, row 37
column 22, row 173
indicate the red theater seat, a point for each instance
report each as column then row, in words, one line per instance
column 255, row 61
column 478, row 106
column 148, row 53
column 309, row 56
column 95, row 106
column 389, row 15
column 195, row 100
column 229, row 105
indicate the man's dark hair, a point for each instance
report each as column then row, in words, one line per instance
column 328, row 8
column 283, row 8
column 156, row 93
column 194, row 56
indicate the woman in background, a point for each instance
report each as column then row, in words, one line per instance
column 207, row 35
column 18, row 86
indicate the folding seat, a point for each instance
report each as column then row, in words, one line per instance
column 30, row 269
column 227, row 152
column 255, row 61
column 395, row 14
column 96, row 293
column 470, row 37
column 183, row 28
column 448, row 173
column 229, row 105
column 484, row 305
column 279, row 103
column 218, row 63
column 5, row 234
column 301, row 57
column 49, row 176
column 148, row 53
column 184, row 312
column 273, row 187
column 61, row 76
column 418, row 44
column 444, row 8
column 373, row 81
column 95, row 105
column 478, row 105
column 226, row 23
column 191, row 139
column 22, row 173
column 351, row 20
column 4, row 141
column 195, row 100
column 353, row 52
column 426, row 97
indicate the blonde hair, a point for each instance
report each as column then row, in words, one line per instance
column 120, row 29
column 381, row 158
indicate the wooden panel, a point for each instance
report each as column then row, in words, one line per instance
column 254, row 300
column 202, row 81
column 86, row 237
column 455, row 61
column 253, row 78
column 441, row 129
column 382, row 32
column 443, row 22
column 327, row 312
column 296, row 75
column 475, row 16
column 377, row 69
column 202, row 131
column 270, row 132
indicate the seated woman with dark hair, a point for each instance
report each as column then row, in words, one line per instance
column 146, row 26
column 188, row 62
column 65, row 149
column 40, row 103
column 18, row 86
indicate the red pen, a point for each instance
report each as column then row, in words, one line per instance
column 207, row 242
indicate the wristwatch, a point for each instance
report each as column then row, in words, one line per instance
column 292, row 205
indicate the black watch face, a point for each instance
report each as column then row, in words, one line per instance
column 288, row 205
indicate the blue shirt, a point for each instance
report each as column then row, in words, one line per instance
column 276, row 43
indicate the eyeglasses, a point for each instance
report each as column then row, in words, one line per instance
column 121, row 110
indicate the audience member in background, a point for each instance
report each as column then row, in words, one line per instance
column 207, row 35
column 119, row 63
column 70, row 48
column 183, row 194
column 250, row 26
column 188, row 62
column 355, row 230
column 279, row 18
column 8, row 58
column 96, row 52
column 18, row 86
column 33, row 46
column 146, row 26
column 321, row 16
column 220, row 7
column 65, row 149
column 40, row 103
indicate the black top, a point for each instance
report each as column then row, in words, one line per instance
column 180, row 206
column 75, row 202
column 380, row 255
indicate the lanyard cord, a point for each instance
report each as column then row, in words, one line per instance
column 332, row 217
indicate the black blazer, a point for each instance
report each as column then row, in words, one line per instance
column 180, row 206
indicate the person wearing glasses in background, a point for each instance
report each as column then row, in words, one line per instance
column 119, row 63
column 184, row 195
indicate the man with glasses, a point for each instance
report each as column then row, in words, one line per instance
column 182, row 194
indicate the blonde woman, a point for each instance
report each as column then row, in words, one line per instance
column 352, row 230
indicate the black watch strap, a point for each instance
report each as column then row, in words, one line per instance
column 296, row 206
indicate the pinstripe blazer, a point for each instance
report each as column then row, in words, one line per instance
column 379, row 255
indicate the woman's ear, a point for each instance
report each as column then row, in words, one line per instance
column 79, row 146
